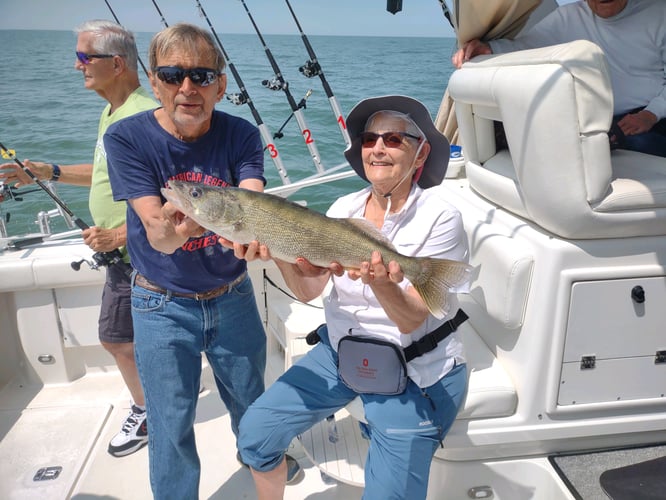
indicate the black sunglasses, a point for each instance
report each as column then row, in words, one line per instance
column 87, row 58
column 390, row 139
column 174, row 75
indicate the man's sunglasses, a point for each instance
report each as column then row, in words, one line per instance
column 87, row 58
column 390, row 139
column 174, row 75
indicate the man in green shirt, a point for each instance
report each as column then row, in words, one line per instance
column 106, row 55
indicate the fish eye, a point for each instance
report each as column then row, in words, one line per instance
column 196, row 192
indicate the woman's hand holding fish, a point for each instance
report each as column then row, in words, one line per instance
column 376, row 272
column 404, row 307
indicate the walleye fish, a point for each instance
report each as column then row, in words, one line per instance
column 290, row 231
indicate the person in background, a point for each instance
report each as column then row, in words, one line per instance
column 632, row 34
column 399, row 152
column 190, row 294
column 106, row 55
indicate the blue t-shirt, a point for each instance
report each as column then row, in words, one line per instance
column 142, row 157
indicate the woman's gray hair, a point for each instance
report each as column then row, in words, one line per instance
column 188, row 37
column 111, row 38
column 412, row 127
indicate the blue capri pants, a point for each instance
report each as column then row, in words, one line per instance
column 404, row 429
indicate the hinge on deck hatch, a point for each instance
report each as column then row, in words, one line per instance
column 587, row 362
column 660, row 357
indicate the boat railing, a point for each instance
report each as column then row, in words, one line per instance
column 341, row 171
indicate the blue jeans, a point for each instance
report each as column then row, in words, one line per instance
column 404, row 429
column 169, row 334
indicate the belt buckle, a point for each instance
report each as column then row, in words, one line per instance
column 425, row 344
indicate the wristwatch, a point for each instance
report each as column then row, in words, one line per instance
column 56, row 172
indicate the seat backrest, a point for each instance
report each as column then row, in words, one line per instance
column 555, row 104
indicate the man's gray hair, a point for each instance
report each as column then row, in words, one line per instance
column 187, row 37
column 112, row 38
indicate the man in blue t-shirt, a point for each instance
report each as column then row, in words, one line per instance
column 190, row 294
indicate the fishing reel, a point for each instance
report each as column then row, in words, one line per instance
column 310, row 69
column 275, row 84
column 237, row 99
column 6, row 192
column 104, row 259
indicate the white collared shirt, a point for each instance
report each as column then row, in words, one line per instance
column 426, row 226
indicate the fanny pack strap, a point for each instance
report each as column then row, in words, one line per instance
column 429, row 341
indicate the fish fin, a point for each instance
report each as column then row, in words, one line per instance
column 437, row 277
column 369, row 229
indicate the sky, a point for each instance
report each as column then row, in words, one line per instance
column 317, row 17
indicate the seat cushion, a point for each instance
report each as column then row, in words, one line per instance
column 490, row 392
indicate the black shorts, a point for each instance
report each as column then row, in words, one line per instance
column 115, row 316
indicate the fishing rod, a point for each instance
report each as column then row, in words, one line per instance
column 312, row 68
column 278, row 83
column 112, row 258
column 244, row 98
column 116, row 18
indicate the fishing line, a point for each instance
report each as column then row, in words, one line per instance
column 116, row 18
column 312, row 68
column 278, row 83
column 242, row 98
column 113, row 258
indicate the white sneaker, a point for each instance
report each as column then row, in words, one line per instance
column 132, row 436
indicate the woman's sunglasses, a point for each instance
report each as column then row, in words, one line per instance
column 174, row 75
column 87, row 58
column 390, row 139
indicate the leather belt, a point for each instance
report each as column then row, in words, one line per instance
column 144, row 282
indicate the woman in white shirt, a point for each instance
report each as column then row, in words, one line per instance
column 398, row 150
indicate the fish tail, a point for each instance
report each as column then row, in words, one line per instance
column 436, row 278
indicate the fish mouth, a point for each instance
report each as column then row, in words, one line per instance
column 170, row 193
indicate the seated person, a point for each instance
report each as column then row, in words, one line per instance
column 399, row 152
column 632, row 34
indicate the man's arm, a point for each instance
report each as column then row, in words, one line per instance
column 78, row 175
column 167, row 229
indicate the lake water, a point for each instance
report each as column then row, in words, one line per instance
column 46, row 113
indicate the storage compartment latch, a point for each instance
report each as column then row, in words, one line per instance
column 588, row 362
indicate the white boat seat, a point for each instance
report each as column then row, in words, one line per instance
column 556, row 105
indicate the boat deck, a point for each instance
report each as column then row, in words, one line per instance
column 69, row 426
